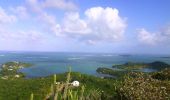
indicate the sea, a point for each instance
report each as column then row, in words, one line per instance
column 48, row 63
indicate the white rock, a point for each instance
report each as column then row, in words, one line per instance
column 57, row 83
column 4, row 77
column 11, row 66
column 17, row 76
column 10, row 69
column 75, row 83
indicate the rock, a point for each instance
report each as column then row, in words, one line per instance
column 17, row 76
column 75, row 83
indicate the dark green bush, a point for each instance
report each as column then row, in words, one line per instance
column 162, row 75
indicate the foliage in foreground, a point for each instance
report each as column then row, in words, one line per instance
column 66, row 91
column 140, row 86
column 21, row 89
column 162, row 75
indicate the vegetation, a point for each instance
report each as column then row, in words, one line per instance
column 157, row 65
column 21, row 89
column 66, row 91
column 129, row 85
column 10, row 70
column 13, row 88
column 131, row 66
column 162, row 75
column 123, row 69
column 115, row 73
column 140, row 86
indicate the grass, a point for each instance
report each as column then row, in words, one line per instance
column 64, row 91
column 21, row 89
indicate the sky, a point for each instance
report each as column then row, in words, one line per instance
column 110, row 26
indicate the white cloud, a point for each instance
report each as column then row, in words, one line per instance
column 166, row 31
column 6, row 18
column 59, row 4
column 147, row 37
column 39, row 6
column 91, row 42
column 49, row 21
column 74, row 25
column 99, row 24
column 21, row 40
column 154, row 38
column 21, row 36
column 20, row 11
column 106, row 23
column 34, row 6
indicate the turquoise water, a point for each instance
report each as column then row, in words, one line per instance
column 45, row 63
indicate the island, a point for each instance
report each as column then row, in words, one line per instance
column 122, row 69
column 10, row 69
column 111, row 72
column 157, row 65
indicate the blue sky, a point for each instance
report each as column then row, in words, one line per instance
column 113, row 26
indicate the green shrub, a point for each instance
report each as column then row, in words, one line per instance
column 139, row 86
column 162, row 75
column 65, row 91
